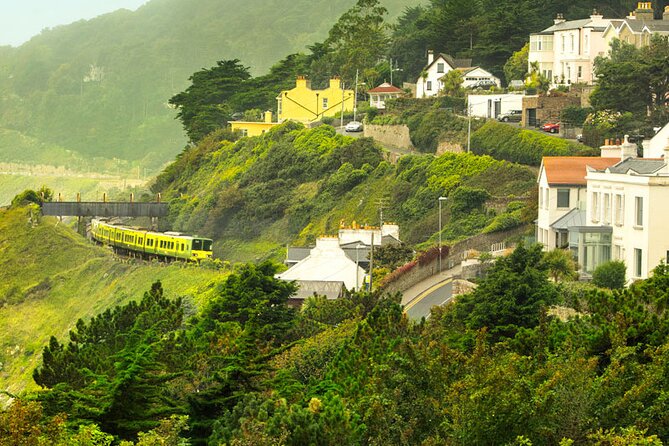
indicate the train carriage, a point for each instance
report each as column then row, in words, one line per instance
column 153, row 244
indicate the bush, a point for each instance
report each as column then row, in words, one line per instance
column 523, row 146
column 610, row 275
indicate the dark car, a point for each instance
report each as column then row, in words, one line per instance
column 551, row 127
column 511, row 116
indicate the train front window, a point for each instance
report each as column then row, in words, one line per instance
column 197, row 245
column 207, row 245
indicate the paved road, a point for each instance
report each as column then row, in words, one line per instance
column 437, row 294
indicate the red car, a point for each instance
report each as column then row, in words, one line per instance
column 551, row 128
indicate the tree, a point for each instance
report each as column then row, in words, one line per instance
column 202, row 107
column 516, row 67
column 452, row 82
column 537, row 80
column 560, row 264
column 510, row 297
column 610, row 275
column 359, row 40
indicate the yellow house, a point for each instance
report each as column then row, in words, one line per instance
column 305, row 105
column 252, row 128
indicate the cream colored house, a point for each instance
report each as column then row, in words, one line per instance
column 565, row 52
column 429, row 83
column 638, row 26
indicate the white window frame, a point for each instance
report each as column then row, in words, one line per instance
column 638, row 212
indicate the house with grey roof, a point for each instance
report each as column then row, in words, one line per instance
column 565, row 52
column 621, row 214
column 429, row 82
column 637, row 28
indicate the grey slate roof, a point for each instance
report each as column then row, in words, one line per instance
column 575, row 217
column 571, row 24
column 638, row 165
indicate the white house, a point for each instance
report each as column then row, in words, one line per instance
column 621, row 213
column 473, row 75
column 326, row 262
column 629, row 200
column 492, row 105
column 379, row 95
column 429, row 83
column 654, row 147
column 565, row 52
column 562, row 187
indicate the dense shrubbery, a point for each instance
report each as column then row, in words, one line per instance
column 308, row 180
column 523, row 146
column 248, row 369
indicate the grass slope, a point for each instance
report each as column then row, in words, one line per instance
column 50, row 277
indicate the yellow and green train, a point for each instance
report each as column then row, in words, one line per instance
column 165, row 245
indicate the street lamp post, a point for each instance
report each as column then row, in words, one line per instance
column 440, row 200
column 355, row 96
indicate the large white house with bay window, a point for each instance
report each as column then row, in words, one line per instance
column 608, row 208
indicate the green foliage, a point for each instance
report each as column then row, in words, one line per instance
column 634, row 79
column 610, row 275
column 357, row 41
column 522, row 146
column 392, row 256
column 574, row 115
column 452, row 82
column 561, row 265
column 464, row 200
column 31, row 196
column 511, row 297
column 536, row 79
column 516, row 67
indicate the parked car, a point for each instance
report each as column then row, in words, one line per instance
column 353, row 126
column 551, row 127
column 579, row 137
column 511, row 116
column 484, row 84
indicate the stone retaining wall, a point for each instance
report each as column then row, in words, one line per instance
column 394, row 136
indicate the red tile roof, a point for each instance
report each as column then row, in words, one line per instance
column 571, row 170
column 385, row 88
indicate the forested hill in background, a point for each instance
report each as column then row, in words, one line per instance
column 100, row 87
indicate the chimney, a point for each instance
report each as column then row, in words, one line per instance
column 301, row 82
column 644, row 11
column 559, row 18
column 627, row 149
column 665, row 14
column 268, row 116
column 335, row 83
column 596, row 17
column 430, row 56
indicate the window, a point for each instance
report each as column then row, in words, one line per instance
column 607, row 209
column 595, row 207
column 440, row 67
column 541, row 198
column 619, row 209
column 563, row 46
column 546, row 198
column 637, row 262
column 638, row 211
column 617, row 252
column 572, row 43
column 279, row 107
column 579, row 71
column 585, row 43
column 563, row 198
column 245, row 132
column 429, row 86
column 325, row 103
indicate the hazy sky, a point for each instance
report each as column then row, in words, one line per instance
column 22, row 19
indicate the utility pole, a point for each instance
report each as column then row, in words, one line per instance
column 355, row 97
column 341, row 118
column 371, row 264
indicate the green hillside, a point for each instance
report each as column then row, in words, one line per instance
column 100, row 87
column 294, row 184
column 50, row 277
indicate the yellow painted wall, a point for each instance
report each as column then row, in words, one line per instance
column 254, row 128
column 305, row 105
